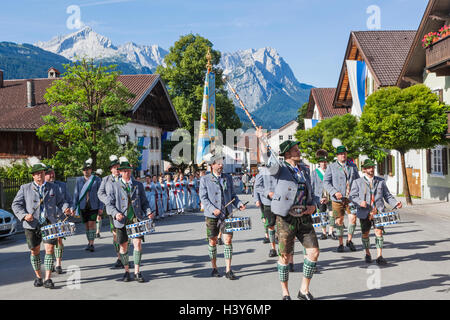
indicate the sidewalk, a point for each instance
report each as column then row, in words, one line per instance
column 427, row 207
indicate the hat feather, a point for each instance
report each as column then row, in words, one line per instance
column 113, row 158
column 336, row 142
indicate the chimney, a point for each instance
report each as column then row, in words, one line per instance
column 1, row 78
column 31, row 101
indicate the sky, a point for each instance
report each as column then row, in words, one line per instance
column 310, row 35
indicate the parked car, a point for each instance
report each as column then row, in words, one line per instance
column 8, row 224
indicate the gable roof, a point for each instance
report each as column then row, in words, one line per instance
column 323, row 99
column 16, row 116
column 384, row 52
column 433, row 19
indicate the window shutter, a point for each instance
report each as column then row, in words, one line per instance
column 389, row 165
column 444, row 161
column 428, row 161
column 381, row 167
column 393, row 165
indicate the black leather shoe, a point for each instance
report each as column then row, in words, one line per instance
column 219, row 241
column 139, row 278
column 88, row 247
column 350, row 245
column 118, row 264
column 38, row 282
column 287, row 298
column 307, row 296
column 333, row 236
column 380, row 260
column 291, row 267
column 215, row 273
column 266, row 240
column 126, row 277
column 97, row 235
column 58, row 270
column 230, row 275
column 340, row 248
column 91, row 249
column 272, row 253
column 49, row 284
column 323, row 236
column 368, row 258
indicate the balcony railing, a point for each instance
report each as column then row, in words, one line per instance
column 438, row 57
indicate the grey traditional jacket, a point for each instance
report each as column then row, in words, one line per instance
column 317, row 185
column 211, row 197
column 257, row 189
column 361, row 192
column 117, row 202
column 65, row 192
column 286, row 186
column 265, row 185
column 94, row 201
column 335, row 180
column 105, row 188
column 27, row 202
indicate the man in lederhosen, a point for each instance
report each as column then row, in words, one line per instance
column 369, row 193
column 127, row 203
column 38, row 204
column 260, row 205
column 87, row 203
column 216, row 191
column 337, row 181
column 321, row 196
column 265, row 185
column 103, row 191
column 59, row 247
column 293, row 204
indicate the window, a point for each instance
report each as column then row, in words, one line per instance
column 290, row 137
column 439, row 93
column 436, row 161
column 281, row 137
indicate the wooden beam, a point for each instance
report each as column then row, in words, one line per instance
column 412, row 79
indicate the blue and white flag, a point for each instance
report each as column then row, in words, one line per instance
column 357, row 72
column 207, row 118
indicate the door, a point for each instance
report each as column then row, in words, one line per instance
column 414, row 182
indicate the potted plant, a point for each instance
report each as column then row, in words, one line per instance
column 444, row 31
column 429, row 39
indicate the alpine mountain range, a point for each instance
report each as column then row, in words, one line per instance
column 261, row 77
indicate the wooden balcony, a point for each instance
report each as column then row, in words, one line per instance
column 438, row 57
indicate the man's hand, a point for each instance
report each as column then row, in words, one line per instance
column 309, row 210
column 100, row 212
column 324, row 201
column 338, row 195
column 28, row 218
column 119, row 216
column 68, row 212
column 258, row 204
column 363, row 204
column 270, row 195
column 151, row 216
column 242, row 208
column 216, row 212
column 399, row 205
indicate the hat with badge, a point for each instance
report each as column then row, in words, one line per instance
column 124, row 163
column 287, row 145
column 113, row 160
column 87, row 164
column 36, row 165
column 49, row 169
column 322, row 155
column 368, row 163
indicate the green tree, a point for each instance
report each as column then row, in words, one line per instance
column 343, row 128
column 89, row 105
column 403, row 120
column 184, row 76
column 301, row 114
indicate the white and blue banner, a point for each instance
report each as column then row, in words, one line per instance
column 357, row 73
column 310, row 123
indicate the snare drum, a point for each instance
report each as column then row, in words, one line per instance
column 386, row 218
column 320, row 219
column 140, row 229
column 238, row 224
column 58, row 230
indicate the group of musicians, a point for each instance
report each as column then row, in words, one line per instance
column 285, row 191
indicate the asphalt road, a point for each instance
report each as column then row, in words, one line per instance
column 176, row 265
